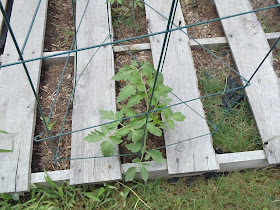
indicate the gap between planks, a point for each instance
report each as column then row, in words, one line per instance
column 228, row 162
column 212, row 43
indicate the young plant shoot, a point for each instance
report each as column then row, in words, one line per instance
column 137, row 92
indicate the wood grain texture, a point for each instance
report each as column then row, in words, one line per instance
column 242, row 160
column 228, row 162
column 212, row 43
column 95, row 91
column 198, row 154
column 17, row 102
column 56, row 176
column 249, row 46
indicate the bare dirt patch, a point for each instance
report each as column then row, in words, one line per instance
column 43, row 155
column 195, row 11
column 60, row 26
column 123, row 22
column 269, row 19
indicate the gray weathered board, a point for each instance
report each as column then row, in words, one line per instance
column 95, row 91
column 17, row 102
column 249, row 47
column 179, row 73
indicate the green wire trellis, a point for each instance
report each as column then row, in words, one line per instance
column 74, row 49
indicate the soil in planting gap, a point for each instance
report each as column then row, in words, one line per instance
column 269, row 19
column 153, row 142
column 60, row 27
column 123, row 22
column 42, row 158
column 238, row 131
column 195, row 11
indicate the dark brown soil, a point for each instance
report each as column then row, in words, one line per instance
column 269, row 19
column 42, row 151
column 60, row 26
column 123, row 24
column 153, row 142
column 201, row 10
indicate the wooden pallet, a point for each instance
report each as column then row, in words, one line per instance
column 101, row 170
column 17, row 102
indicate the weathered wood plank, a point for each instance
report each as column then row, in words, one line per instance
column 56, row 176
column 213, row 43
column 242, row 160
column 228, row 162
column 196, row 155
column 17, row 102
column 95, row 91
column 249, row 47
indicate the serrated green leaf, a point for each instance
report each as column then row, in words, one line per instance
column 162, row 91
column 4, row 132
column 126, row 92
column 167, row 113
column 107, row 148
column 141, row 87
column 136, row 135
column 116, row 140
column 153, row 129
column 166, row 101
column 119, row 115
column 138, row 124
column 127, row 111
column 147, row 156
column 134, row 63
column 123, row 74
column 178, row 116
column 130, row 174
column 157, row 156
column 144, row 173
column 107, row 115
column 122, row 132
column 148, row 70
column 134, row 100
column 129, row 136
column 93, row 137
column 171, row 124
column 134, row 147
column 136, row 160
column 105, row 129
column 98, row 132
column 135, row 77
column 150, row 82
column 113, row 125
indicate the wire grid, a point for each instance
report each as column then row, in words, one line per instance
column 110, row 40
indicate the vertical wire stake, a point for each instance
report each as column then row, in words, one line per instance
column 170, row 22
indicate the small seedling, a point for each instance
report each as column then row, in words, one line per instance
column 137, row 93
column 50, row 125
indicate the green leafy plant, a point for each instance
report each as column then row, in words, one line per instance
column 135, row 3
column 134, row 95
column 50, row 125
